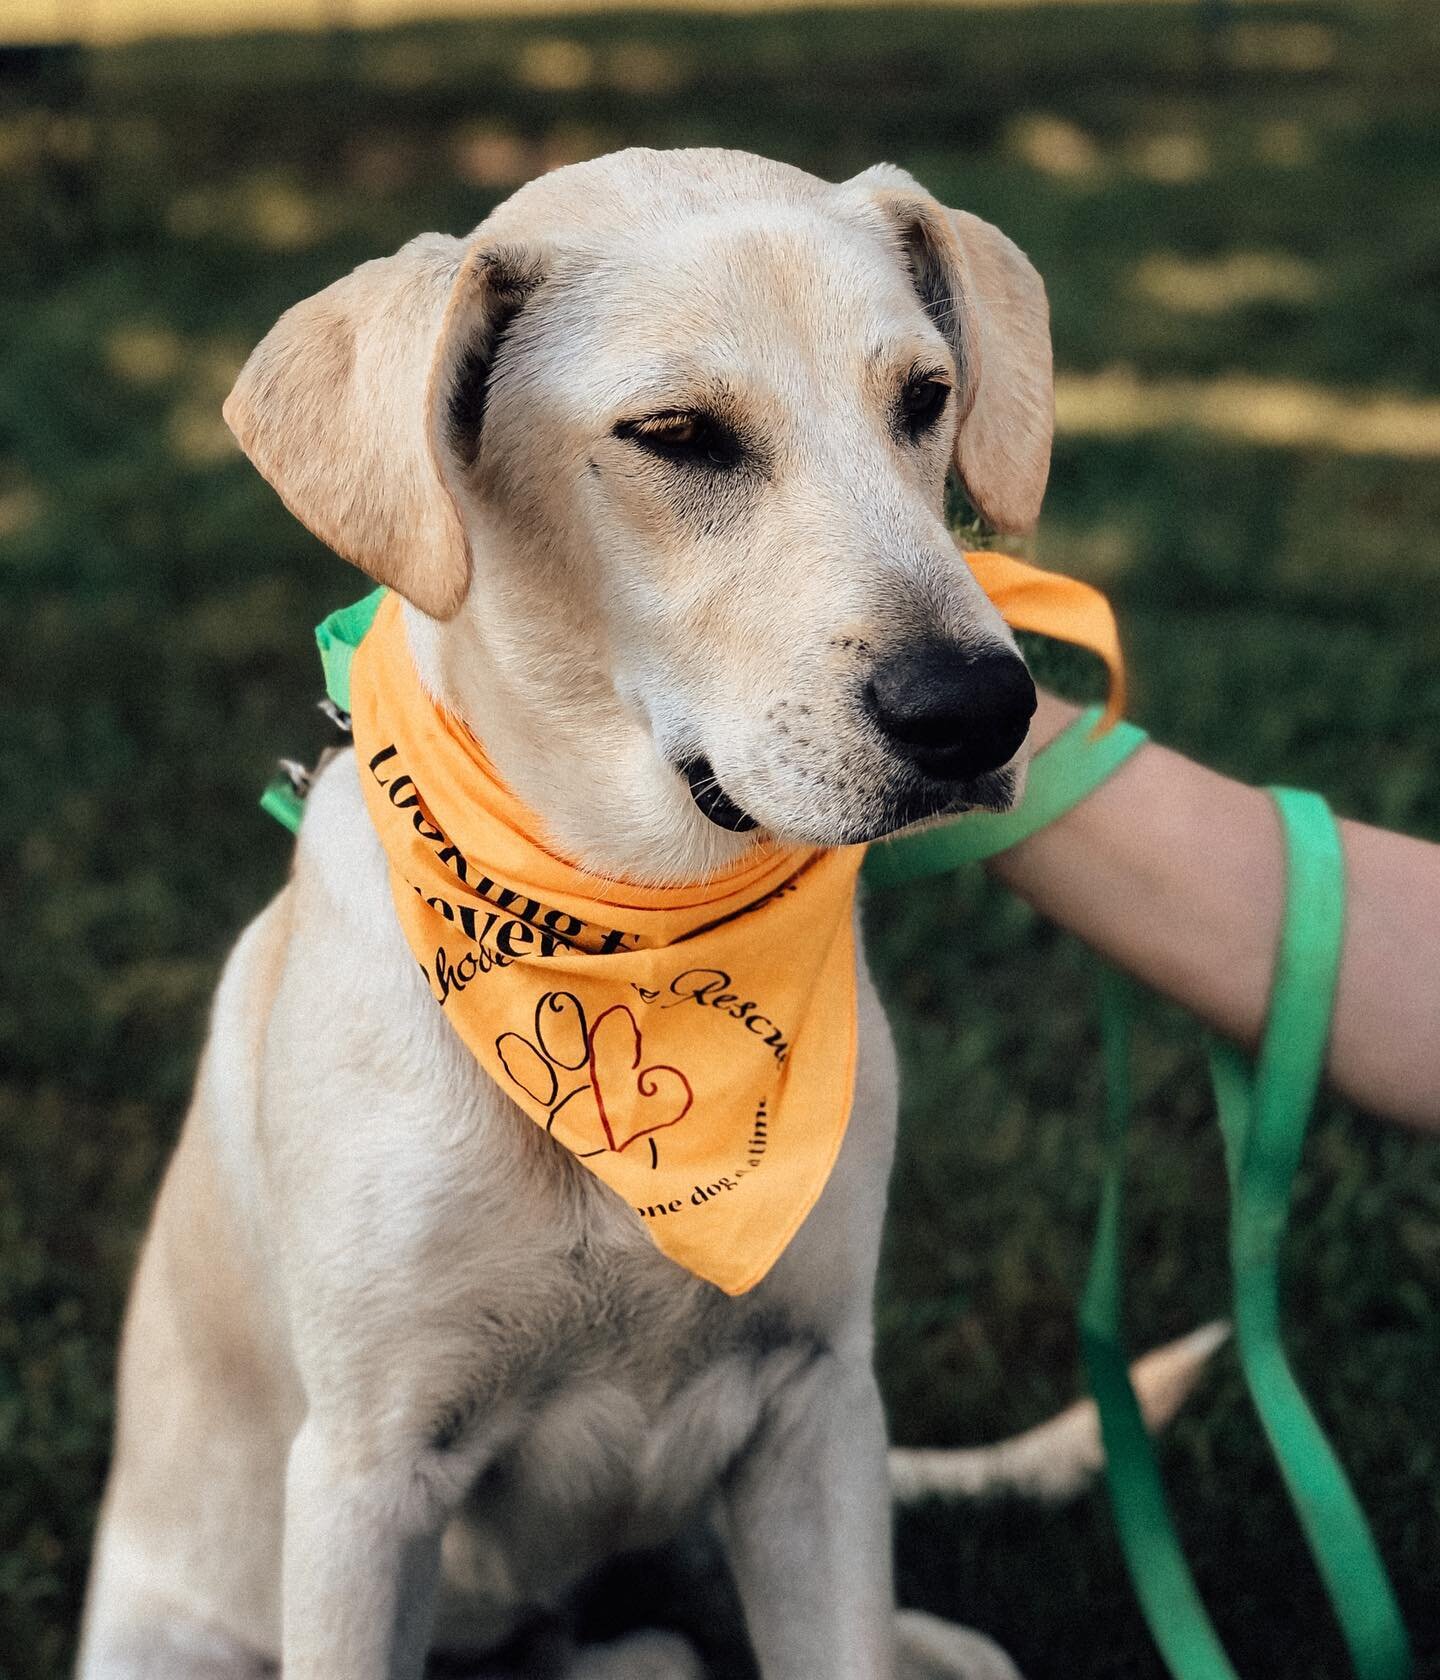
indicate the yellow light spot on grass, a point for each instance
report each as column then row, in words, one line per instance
column 1171, row 159
column 1054, row 146
column 281, row 216
column 1281, row 413
column 556, row 65
column 489, row 156
column 20, row 507
column 143, row 355
column 265, row 210
column 1286, row 145
column 1197, row 287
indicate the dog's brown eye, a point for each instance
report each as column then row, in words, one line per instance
column 678, row 431
column 922, row 402
column 695, row 439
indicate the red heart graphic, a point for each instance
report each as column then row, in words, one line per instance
column 615, row 1038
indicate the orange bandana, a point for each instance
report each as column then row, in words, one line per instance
column 693, row 1046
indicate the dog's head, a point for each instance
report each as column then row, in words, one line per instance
column 658, row 454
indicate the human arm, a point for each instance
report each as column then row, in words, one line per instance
column 1176, row 874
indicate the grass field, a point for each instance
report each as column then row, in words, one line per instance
column 1239, row 220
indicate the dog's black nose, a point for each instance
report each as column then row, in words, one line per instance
column 954, row 712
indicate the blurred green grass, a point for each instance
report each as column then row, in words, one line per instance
column 1259, row 195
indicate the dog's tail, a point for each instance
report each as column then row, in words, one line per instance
column 1057, row 1459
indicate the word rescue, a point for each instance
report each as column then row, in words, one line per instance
column 709, row 988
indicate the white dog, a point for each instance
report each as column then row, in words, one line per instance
column 656, row 459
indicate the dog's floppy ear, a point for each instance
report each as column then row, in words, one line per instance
column 986, row 297
column 361, row 407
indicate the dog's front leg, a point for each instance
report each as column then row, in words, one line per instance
column 363, row 1523
column 807, row 1525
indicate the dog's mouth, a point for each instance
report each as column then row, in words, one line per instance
column 930, row 800
column 924, row 802
column 712, row 800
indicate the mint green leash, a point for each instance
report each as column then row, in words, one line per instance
column 1263, row 1114
column 1263, row 1110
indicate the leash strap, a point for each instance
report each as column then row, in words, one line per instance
column 1075, row 763
column 1263, row 1114
column 1161, row 1577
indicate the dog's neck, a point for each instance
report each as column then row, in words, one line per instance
column 535, row 690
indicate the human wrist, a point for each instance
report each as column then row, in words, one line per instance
column 1072, row 755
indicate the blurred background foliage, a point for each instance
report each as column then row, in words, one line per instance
column 1237, row 210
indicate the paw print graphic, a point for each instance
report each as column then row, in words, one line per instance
column 591, row 1080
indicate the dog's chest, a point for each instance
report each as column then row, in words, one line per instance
column 616, row 1439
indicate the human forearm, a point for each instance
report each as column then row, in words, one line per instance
column 1176, row 874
